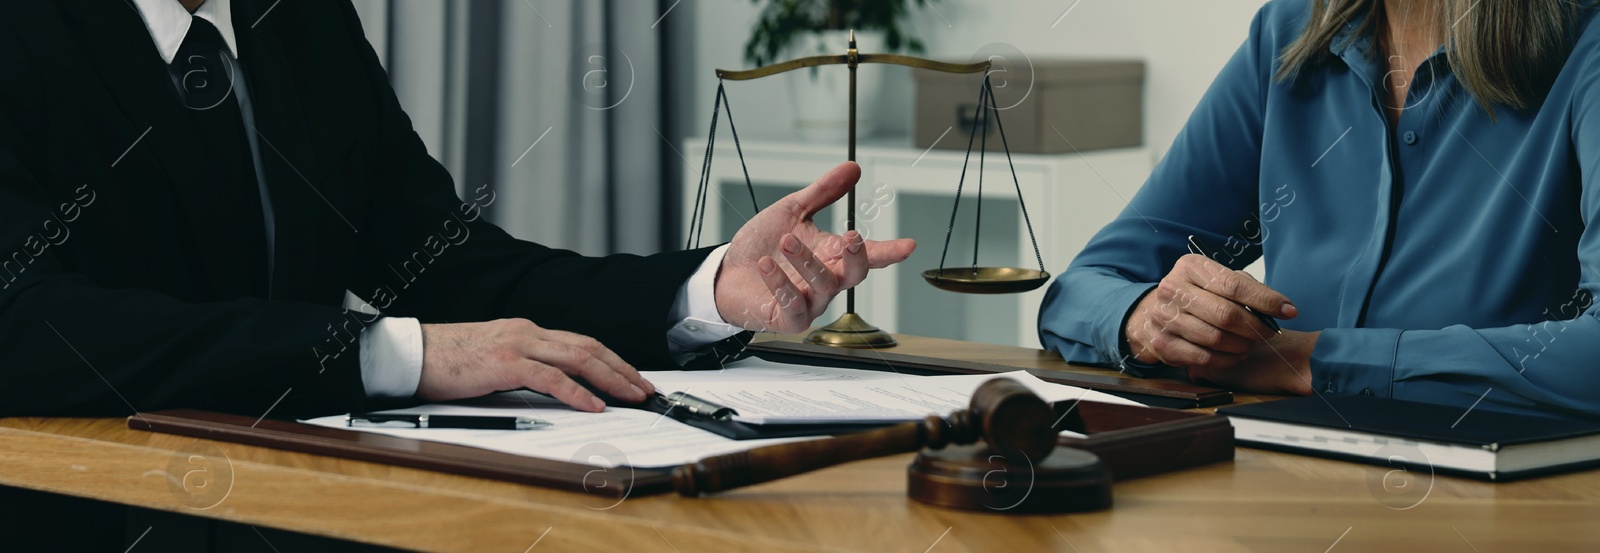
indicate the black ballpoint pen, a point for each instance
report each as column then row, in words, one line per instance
column 1197, row 247
column 471, row 422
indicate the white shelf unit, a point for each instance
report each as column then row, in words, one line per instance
column 908, row 192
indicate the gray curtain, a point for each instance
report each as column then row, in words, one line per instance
column 555, row 105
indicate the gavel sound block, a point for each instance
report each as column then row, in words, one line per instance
column 1004, row 460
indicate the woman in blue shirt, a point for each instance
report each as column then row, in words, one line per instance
column 1419, row 178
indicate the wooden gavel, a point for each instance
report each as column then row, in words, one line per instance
column 1003, row 413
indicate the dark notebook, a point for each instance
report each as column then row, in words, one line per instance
column 1477, row 443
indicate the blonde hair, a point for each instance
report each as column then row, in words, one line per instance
column 1504, row 52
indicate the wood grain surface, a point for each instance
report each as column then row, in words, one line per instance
column 1262, row 501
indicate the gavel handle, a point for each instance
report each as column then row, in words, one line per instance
column 768, row 463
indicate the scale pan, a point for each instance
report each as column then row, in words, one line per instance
column 986, row 280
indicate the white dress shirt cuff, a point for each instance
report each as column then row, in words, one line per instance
column 698, row 321
column 391, row 357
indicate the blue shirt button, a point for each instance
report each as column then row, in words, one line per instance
column 1410, row 137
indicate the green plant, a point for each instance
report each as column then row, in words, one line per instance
column 782, row 21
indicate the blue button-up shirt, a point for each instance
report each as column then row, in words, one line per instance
column 1445, row 258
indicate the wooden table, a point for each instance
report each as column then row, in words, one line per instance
column 1262, row 501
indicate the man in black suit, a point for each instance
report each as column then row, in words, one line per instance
column 187, row 190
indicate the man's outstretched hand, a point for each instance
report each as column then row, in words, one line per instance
column 779, row 274
column 780, row 271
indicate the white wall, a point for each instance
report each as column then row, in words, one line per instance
column 1184, row 44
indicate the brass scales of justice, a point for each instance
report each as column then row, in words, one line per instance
column 1006, row 426
column 850, row 330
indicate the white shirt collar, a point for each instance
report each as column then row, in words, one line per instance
column 168, row 23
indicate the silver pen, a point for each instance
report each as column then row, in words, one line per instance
column 415, row 420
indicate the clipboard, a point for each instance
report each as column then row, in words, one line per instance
column 618, row 482
column 1132, row 441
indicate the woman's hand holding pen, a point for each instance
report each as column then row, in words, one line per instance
column 1279, row 365
column 1196, row 318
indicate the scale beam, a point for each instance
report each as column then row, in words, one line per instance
column 889, row 59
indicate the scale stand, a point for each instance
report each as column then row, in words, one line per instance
column 850, row 330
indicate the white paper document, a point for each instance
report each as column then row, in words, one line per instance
column 616, row 437
column 751, row 369
column 895, row 398
column 762, row 392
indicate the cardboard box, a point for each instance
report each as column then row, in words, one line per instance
column 1095, row 104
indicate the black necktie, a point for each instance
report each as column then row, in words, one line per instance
column 205, row 75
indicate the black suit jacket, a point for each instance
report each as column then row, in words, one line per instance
column 110, row 300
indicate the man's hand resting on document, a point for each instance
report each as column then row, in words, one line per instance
column 474, row 359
